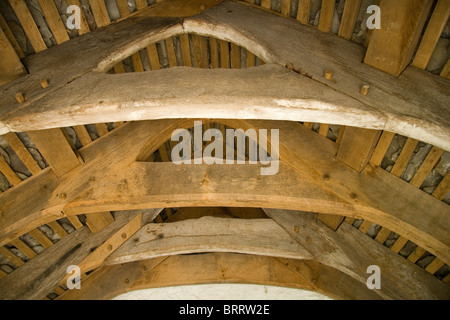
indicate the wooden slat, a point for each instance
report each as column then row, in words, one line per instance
column 141, row 4
column 214, row 52
column 404, row 157
column 12, row 39
column 53, row 20
column 56, row 150
column 382, row 147
column 357, row 146
column 304, row 8
column 416, row 254
column 266, row 4
column 102, row 129
column 308, row 125
column 348, row 20
column 29, row 26
column 251, row 59
column 153, row 57
column 185, row 50
column 200, row 51
column 399, row 244
column 100, row 13
column 82, row 134
column 16, row 144
column 435, row 26
column 170, row 50
column 382, row 235
column 443, row 188
column 8, row 172
column 24, row 248
column 326, row 15
column 99, row 220
column 119, row 68
column 235, row 56
column 434, row 266
column 168, row 212
column 11, row 256
column 323, row 129
column 391, row 47
column 75, row 221
column 286, row 7
column 11, row 68
column 96, row 258
column 59, row 291
column 163, row 153
column 41, row 238
column 84, row 26
column 57, row 228
column 445, row 73
column 430, row 161
column 137, row 64
column 364, row 227
column 224, row 54
column 122, row 5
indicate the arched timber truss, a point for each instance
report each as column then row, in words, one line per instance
column 315, row 178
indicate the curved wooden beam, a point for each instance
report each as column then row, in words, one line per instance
column 262, row 237
column 350, row 251
column 415, row 104
column 117, row 182
column 218, row 268
column 148, row 185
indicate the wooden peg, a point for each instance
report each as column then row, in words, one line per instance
column 328, row 74
column 365, row 90
column 44, row 83
column 19, row 97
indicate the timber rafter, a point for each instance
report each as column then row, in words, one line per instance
column 118, row 182
column 406, row 105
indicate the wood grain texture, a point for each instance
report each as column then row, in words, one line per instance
column 433, row 32
column 40, row 276
column 293, row 45
column 219, row 268
column 373, row 194
column 348, row 20
column 29, row 26
column 391, row 47
column 208, row 234
column 351, row 252
column 54, row 147
column 11, row 68
column 54, row 21
column 24, row 155
column 357, row 147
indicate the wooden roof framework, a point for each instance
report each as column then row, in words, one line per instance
column 100, row 160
